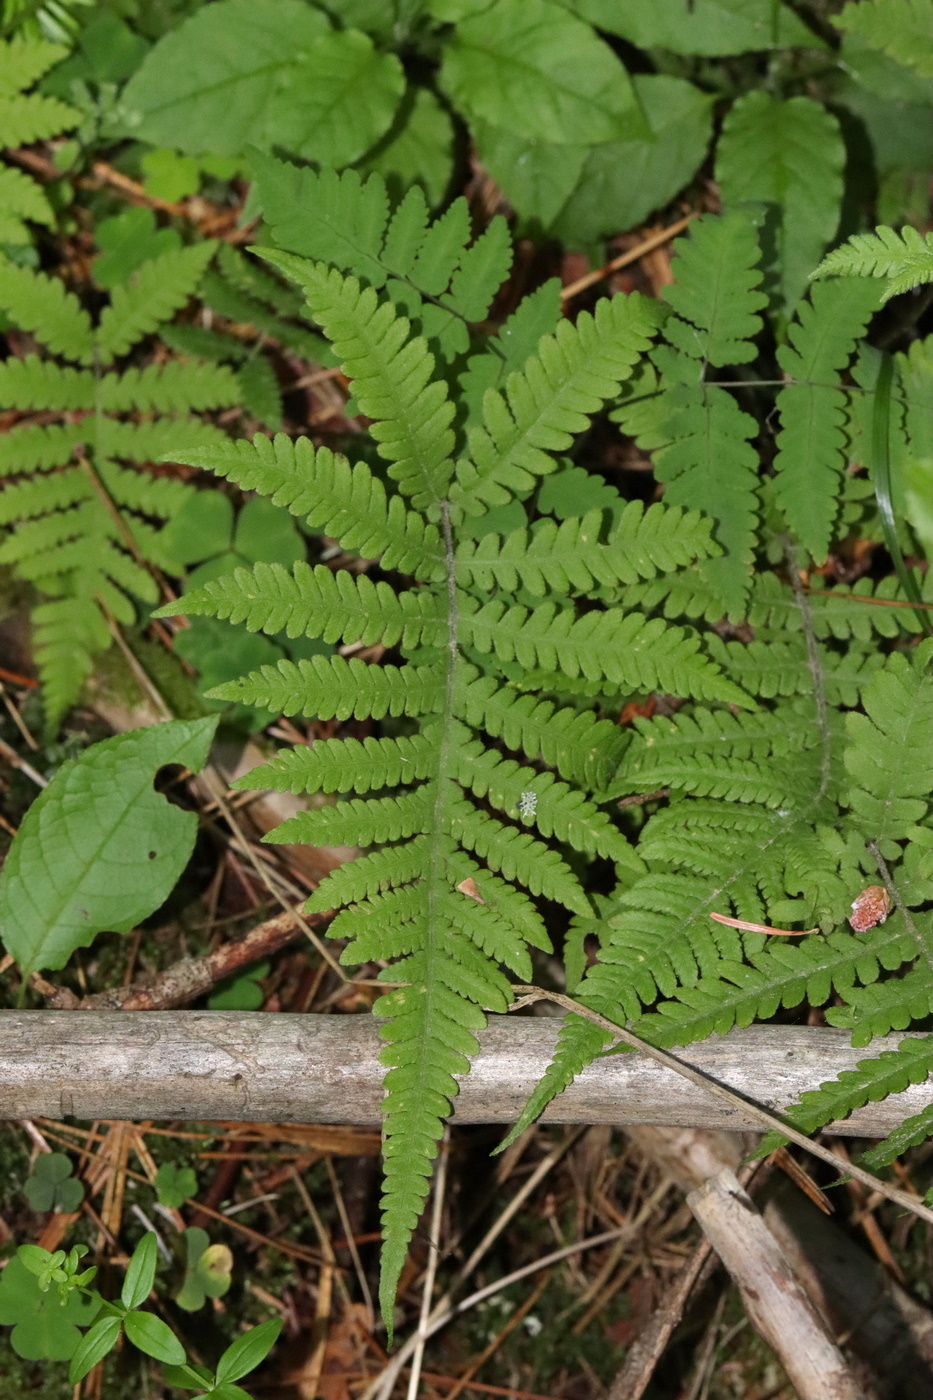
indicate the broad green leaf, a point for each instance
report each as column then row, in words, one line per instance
column 418, row 148
column 153, row 1336
column 210, row 85
column 788, row 156
column 245, row 1354
column 622, row 182
column 903, row 29
column 140, row 1272
column 712, row 27
column 537, row 179
column 99, row 849
column 338, row 101
column 530, row 67
column 101, row 1339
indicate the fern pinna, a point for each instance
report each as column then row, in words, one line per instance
column 786, row 814
column 87, row 521
column 496, row 793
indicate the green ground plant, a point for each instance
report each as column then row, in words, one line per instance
column 513, row 597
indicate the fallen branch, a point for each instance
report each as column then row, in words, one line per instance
column 285, row 1068
column 189, row 978
column 776, row 1304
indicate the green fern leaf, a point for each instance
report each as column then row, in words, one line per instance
column 630, row 651
column 152, row 296
column 169, row 388
column 904, row 258
column 41, row 305
column 366, row 822
column 346, row 502
column 557, row 809
column 889, row 755
column 873, row 1010
column 911, row 1133
column 370, row 875
column 391, row 374
column 328, row 687
column 573, row 373
column 346, row 765
column 581, row 747
column 21, row 199
column 313, row 602
column 715, row 291
column 571, row 557
column 788, row 155
column 871, row 1080
column 810, row 456
column 31, row 116
column 515, row 854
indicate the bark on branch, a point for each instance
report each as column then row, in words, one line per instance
column 277, row 1067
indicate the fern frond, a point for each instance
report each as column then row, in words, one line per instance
column 346, row 765
column 363, row 821
column 41, row 304
column 32, row 116
column 392, row 375
column 350, row 226
column 911, row 1133
column 631, row 651
column 753, row 758
column 515, row 854
column 782, row 976
column 774, row 666
column 153, row 295
column 314, row 602
column 346, row 502
column 889, row 754
column 328, row 687
column 571, row 557
column 67, row 635
column 23, row 60
column 546, row 404
column 578, row 1044
column 558, row 810
column 810, row 456
column 21, row 199
column 862, row 611
column 871, row 1080
column 715, row 291
column 904, row 258
column 709, row 462
column 370, row 874
column 581, row 747
column 169, row 388
column 879, row 1007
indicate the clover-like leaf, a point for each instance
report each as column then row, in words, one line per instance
column 207, row 1270
column 175, row 1185
column 45, row 1328
column 51, row 1185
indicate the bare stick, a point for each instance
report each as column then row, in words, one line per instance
column 210, row 1066
column 773, row 1299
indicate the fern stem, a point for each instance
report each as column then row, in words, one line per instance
column 815, row 667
